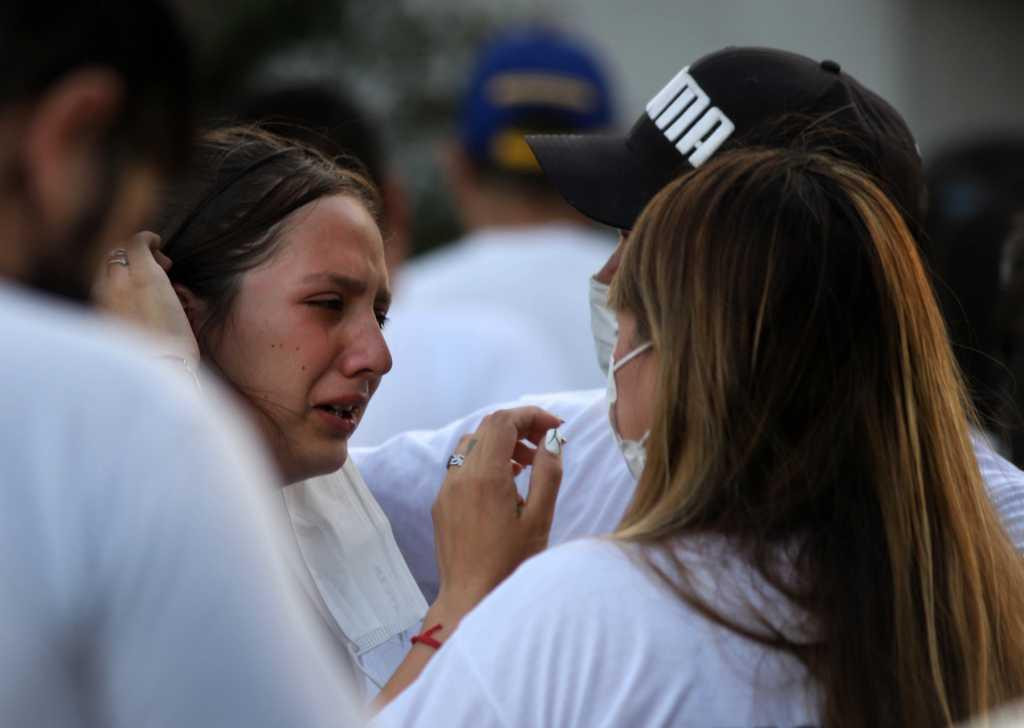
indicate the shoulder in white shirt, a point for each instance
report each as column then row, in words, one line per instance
column 140, row 546
column 583, row 635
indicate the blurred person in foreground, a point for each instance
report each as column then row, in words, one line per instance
column 976, row 187
column 140, row 550
column 810, row 542
column 729, row 99
column 525, row 252
column 427, row 386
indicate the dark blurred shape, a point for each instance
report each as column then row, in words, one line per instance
column 45, row 46
column 1011, row 316
column 976, row 187
column 233, row 36
column 325, row 116
column 318, row 114
column 140, row 41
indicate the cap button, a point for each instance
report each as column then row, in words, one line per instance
column 830, row 66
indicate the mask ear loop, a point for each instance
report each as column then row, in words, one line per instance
column 613, row 367
column 616, row 365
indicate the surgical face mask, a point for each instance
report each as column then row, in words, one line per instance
column 350, row 551
column 603, row 324
column 634, row 451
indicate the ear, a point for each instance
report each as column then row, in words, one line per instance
column 62, row 141
column 195, row 307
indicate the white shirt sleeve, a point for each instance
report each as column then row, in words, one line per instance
column 405, row 473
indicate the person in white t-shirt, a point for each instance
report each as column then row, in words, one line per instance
column 144, row 562
column 141, row 595
column 771, row 98
column 525, row 252
column 810, row 542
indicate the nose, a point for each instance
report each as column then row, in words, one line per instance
column 366, row 352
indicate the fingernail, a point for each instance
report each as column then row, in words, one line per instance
column 553, row 442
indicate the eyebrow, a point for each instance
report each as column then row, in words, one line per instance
column 352, row 286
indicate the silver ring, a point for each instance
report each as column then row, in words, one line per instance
column 118, row 256
column 456, row 461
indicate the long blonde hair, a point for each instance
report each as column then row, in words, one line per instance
column 809, row 403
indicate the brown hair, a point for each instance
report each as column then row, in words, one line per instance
column 809, row 406
column 227, row 215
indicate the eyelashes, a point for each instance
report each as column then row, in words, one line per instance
column 337, row 305
column 332, row 304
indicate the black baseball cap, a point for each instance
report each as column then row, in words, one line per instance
column 735, row 97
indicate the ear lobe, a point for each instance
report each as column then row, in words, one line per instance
column 62, row 140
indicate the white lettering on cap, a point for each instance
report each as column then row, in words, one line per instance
column 684, row 114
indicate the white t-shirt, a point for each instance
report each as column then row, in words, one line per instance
column 141, row 551
column 582, row 635
column 539, row 273
column 405, row 473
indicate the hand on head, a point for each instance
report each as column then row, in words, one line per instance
column 133, row 285
column 483, row 529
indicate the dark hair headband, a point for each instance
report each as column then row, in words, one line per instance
column 201, row 207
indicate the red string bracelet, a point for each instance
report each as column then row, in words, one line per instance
column 426, row 637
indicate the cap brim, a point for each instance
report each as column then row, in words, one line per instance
column 597, row 174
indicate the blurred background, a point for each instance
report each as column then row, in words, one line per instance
column 952, row 67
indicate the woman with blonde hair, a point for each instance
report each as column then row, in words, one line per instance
column 810, row 542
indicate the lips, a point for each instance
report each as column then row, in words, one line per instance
column 342, row 415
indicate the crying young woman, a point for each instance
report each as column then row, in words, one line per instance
column 267, row 268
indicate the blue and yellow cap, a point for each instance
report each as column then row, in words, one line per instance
column 531, row 80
